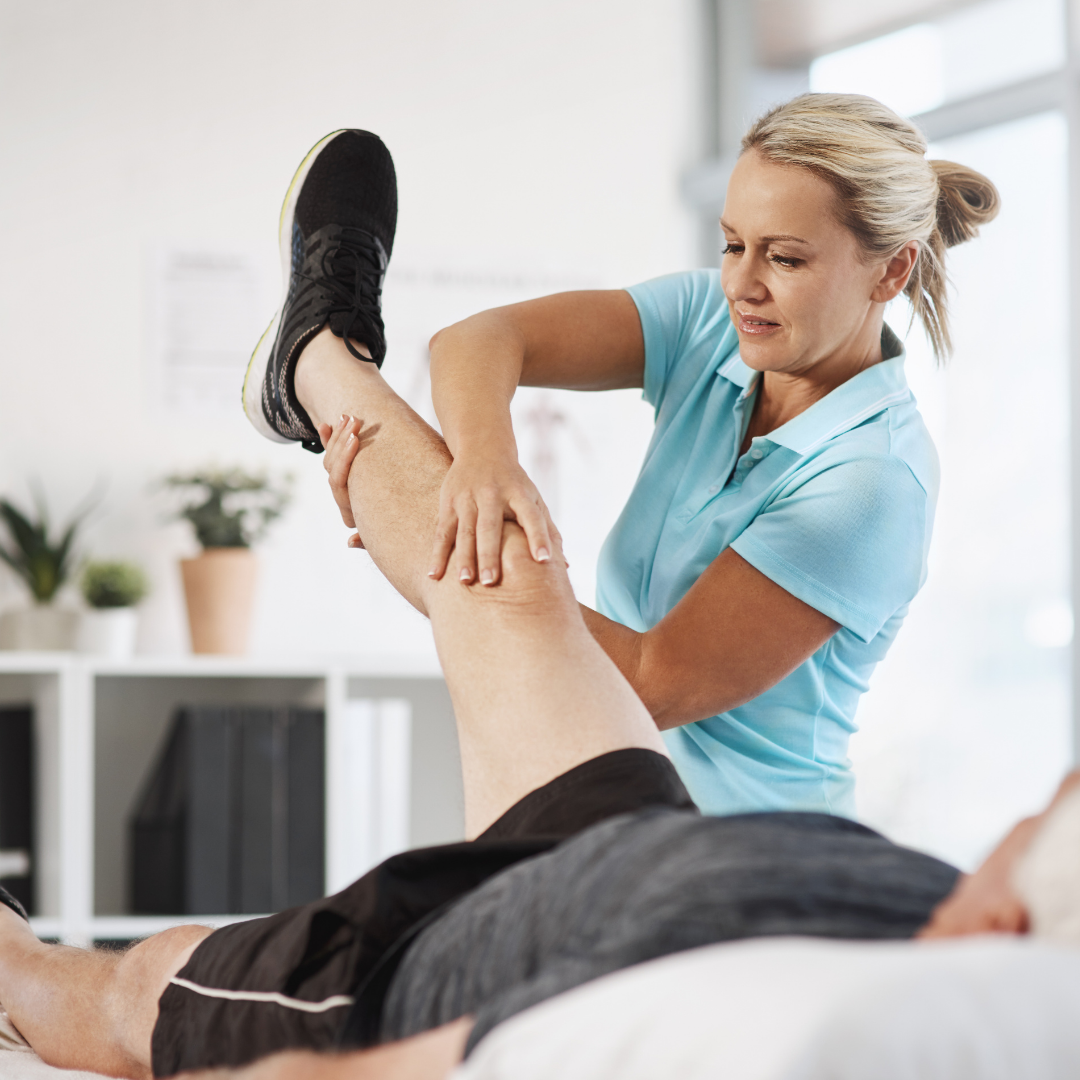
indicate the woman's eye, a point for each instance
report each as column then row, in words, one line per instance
column 785, row 260
column 732, row 249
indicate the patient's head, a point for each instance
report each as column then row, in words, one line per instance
column 1047, row 877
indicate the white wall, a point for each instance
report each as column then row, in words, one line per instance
column 536, row 145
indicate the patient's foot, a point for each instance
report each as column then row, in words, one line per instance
column 336, row 235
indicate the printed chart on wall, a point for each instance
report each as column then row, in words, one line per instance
column 583, row 451
column 206, row 310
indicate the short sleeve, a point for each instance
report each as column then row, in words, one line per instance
column 684, row 317
column 849, row 541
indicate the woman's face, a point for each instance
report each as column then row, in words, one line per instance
column 799, row 289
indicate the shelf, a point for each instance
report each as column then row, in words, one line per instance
column 99, row 725
column 369, row 665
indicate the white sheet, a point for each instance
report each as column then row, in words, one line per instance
column 806, row 1009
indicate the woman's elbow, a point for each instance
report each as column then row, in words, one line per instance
column 675, row 696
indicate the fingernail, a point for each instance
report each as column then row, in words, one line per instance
column 343, row 419
column 466, row 574
column 486, row 577
column 432, row 573
column 542, row 554
column 352, row 435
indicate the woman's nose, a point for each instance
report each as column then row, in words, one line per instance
column 742, row 278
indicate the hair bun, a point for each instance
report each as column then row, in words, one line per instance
column 966, row 200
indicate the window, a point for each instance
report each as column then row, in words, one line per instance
column 978, row 48
column 967, row 723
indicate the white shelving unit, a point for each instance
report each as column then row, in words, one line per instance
column 99, row 726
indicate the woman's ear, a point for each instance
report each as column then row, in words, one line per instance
column 895, row 274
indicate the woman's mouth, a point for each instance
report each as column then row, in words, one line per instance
column 754, row 324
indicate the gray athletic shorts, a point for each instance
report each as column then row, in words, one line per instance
column 605, row 866
column 645, row 885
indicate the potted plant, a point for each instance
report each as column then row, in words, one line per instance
column 111, row 590
column 43, row 562
column 229, row 511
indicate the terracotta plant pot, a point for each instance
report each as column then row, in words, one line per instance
column 39, row 627
column 220, row 590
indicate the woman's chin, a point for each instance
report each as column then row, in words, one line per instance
column 762, row 355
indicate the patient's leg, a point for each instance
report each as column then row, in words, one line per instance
column 533, row 693
column 82, row 1009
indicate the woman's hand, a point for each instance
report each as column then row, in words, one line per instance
column 478, row 495
column 476, row 499
column 341, row 443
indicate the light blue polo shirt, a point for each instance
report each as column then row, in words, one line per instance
column 836, row 506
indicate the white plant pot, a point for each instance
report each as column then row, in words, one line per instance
column 41, row 627
column 109, row 632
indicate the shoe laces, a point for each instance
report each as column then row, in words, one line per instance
column 352, row 268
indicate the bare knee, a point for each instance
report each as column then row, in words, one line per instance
column 141, row 976
column 526, row 583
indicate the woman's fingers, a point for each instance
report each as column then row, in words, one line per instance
column 465, row 543
column 355, row 541
column 445, row 535
column 341, row 449
column 477, row 498
column 489, row 532
column 535, row 522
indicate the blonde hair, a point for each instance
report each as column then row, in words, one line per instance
column 888, row 193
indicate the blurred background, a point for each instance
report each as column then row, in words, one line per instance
column 144, row 152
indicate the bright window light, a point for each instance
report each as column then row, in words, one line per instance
column 1000, row 42
column 902, row 70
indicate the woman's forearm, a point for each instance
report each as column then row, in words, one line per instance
column 730, row 638
column 621, row 643
column 670, row 694
column 475, row 368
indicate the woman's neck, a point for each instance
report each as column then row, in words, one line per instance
column 781, row 396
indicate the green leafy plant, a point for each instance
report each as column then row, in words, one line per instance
column 43, row 561
column 229, row 508
column 113, row 584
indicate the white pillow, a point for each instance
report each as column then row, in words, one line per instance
column 808, row 1009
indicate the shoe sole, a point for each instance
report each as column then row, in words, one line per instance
column 260, row 358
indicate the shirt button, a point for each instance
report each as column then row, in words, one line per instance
column 756, row 454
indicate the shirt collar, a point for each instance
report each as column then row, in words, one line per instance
column 850, row 404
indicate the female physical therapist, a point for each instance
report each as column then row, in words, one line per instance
column 780, row 524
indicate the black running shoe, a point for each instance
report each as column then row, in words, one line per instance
column 11, row 902
column 336, row 234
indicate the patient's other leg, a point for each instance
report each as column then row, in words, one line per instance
column 96, row 1011
column 533, row 693
column 92, row 1010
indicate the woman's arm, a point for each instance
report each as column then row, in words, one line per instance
column 730, row 638
column 580, row 341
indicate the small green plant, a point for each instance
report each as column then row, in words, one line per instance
column 43, row 561
column 113, row 584
column 229, row 508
